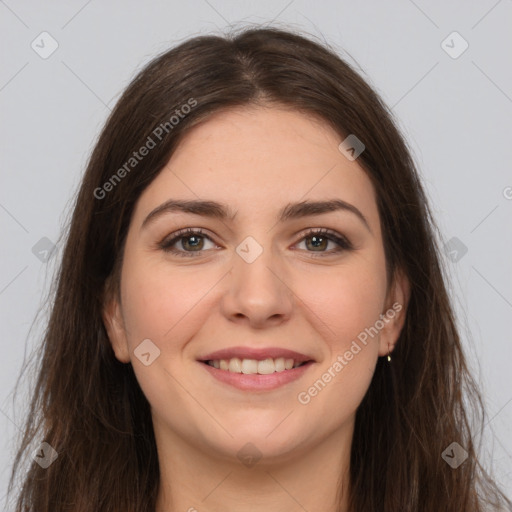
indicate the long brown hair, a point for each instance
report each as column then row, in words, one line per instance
column 89, row 407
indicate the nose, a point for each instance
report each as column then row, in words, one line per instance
column 257, row 293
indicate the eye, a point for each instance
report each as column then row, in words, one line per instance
column 190, row 238
column 320, row 239
column 193, row 241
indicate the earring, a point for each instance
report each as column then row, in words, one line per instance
column 389, row 355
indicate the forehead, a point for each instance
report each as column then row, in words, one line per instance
column 257, row 159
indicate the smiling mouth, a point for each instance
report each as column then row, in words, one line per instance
column 255, row 367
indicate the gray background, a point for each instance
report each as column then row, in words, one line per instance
column 455, row 113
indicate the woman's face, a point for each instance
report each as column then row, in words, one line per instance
column 256, row 279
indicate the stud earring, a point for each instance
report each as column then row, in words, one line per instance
column 389, row 355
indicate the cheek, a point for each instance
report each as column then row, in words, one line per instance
column 349, row 304
column 344, row 301
column 163, row 306
column 345, row 304
column 158, row 303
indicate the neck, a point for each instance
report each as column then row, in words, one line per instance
column 195, row 480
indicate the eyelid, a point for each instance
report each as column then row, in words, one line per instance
column 343, row 242
column 169, row 240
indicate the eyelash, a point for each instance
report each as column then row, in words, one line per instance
column 343, row 243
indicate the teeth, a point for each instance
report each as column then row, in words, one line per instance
column 235, row 365
column 252, row 366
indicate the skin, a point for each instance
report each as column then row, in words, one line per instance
column 255, row 160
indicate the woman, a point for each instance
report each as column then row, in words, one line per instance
column 251, row 312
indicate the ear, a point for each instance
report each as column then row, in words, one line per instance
column 393, row 316
column 114, row 325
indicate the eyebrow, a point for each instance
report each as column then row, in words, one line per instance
column 217, row 210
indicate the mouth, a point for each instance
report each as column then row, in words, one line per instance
column 266, row 366
column 248, row 372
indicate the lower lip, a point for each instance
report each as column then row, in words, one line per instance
column 257, row 382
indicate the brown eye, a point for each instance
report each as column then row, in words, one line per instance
column 192, row 241
column 318, row 241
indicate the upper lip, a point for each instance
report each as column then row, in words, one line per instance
column 255, row 353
